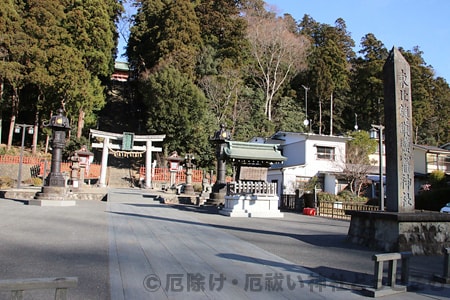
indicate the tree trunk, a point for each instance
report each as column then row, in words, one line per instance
column 320, row 117
column 81, row 114
column 12, row 123
column 1, row 106
column 35, row 133
column 11, row 131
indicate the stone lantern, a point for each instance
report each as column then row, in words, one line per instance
column 86, row 157
column 59, row 125
column 217, row 196
column 188, row 159
column 174, row 163
column 54, row 191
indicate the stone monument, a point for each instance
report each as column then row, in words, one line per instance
column 400, row 227
column 399, row 134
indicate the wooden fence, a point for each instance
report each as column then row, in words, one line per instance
column 163, row 175
column 327, row 209
column 336, row 210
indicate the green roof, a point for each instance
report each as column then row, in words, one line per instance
column 253, row 152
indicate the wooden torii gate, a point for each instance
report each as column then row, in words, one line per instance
column 107, row 145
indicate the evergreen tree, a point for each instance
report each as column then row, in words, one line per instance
column 165, row 33
column 177, row 108
column 366, row 98
column 328, row 73
column 13, row 41
column 429, row 100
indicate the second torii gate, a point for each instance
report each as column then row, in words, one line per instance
column 107, row 145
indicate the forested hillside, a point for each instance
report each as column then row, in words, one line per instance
column 197, row 64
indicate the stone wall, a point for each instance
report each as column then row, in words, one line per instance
column 422, row 233
column 12, row 170
column 424, row 237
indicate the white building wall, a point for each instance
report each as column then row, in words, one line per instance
column 420, row 161
column 301, row 152
column 330, row 184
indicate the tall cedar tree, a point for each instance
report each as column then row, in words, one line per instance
column 165, row 33
column 328, row 75
column 367, row 83
column 12, row 71
column 55, row 69
column 179, row 112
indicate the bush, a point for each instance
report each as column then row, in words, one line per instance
column 36, row 181
column 437, row 179
column 6, row 182
column 344, row 196
column 326, row 197
column 197, row 188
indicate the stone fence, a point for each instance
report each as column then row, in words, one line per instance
column 251, row 187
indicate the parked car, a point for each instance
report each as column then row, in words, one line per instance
column 446, row 208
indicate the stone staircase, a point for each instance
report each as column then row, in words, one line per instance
column 121, row 177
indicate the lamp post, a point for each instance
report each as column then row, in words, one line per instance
column 306, row 121
column 17, row 129
column 378, row 130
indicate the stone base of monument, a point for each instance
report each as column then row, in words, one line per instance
column 384, row 291
column 216, row 199
column 251, row 206
column 422, row 233
column 189, row 189
column 52, row 196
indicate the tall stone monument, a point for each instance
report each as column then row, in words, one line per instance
column 400, row 227
column 399, row 145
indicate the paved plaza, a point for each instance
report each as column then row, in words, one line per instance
column 134, row 247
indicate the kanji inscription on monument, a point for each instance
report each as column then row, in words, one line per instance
column 398, row 141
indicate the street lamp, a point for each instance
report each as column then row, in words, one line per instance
column 377, row 133
column 306, row 121
column 17, row 129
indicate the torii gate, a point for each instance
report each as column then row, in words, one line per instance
column 107, row 145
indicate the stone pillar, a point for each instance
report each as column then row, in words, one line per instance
column 104, row 166
column 148, row 165
column 399, row 134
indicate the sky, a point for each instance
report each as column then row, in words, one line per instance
column 399, row 23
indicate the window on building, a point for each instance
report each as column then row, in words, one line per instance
column 327, row 153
